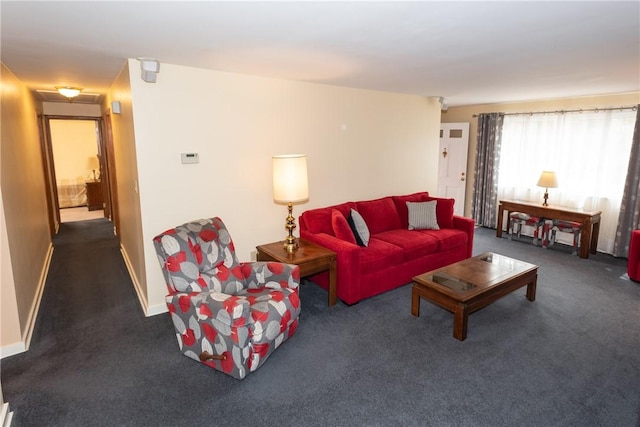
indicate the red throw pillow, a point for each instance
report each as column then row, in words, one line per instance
column 444, row 211
column 341, row 227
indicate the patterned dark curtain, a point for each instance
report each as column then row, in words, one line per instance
column 629, row 218
column 484, row 203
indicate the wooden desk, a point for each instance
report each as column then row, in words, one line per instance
column 590, row 220
column 311, row 259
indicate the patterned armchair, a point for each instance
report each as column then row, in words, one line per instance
column 227, row 314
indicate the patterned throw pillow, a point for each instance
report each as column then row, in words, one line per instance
column 359, row 228
column 422, row 215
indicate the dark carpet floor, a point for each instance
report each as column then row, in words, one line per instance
column 571, row 358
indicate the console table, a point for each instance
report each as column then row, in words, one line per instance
column 590, row 220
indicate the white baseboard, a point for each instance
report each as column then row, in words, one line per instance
column 146, row 308
column 22, row 346
column 5, row 415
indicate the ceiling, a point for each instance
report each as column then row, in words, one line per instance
column 467, row 52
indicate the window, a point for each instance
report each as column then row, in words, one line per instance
column 589, row 151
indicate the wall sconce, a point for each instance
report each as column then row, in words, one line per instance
column 68, row 91
column 547, row 180
column 443, row 104
column 150, row 69
column 290, row 185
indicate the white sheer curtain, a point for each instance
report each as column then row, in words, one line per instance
column 589, row 151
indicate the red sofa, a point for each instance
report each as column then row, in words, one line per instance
column 633, row 266
column 394, row 254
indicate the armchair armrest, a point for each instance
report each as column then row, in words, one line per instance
column 229, row 310
column 270, row 274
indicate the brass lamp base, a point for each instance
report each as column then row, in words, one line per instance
column 546, row 196
column 290, row 243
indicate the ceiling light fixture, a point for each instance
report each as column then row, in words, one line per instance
column 68, row 91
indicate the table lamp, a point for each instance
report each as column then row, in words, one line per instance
column 290, row 185
column 547, row 180
column 93, row 165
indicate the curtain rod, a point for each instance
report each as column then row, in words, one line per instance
column 633, row 108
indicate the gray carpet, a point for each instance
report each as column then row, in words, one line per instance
column 571, row 358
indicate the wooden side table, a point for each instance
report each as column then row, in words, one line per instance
column 95, row 200
column 311, row 259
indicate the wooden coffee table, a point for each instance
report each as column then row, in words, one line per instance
column 474, row 283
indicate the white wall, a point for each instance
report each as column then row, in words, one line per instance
column 360, row 144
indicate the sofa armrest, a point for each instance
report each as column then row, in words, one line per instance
column 467, row 225
column 347, row 261
column 258, row 274
column 633, row 263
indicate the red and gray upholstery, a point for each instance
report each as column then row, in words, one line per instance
column 572, row 227
column 518, row 219
column 227, row 314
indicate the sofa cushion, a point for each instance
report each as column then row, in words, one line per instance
column 401, row 205
column 444, row 211
column 448, row 238
column 414, row 244
column 341, row 228
column 359, row 228
column 379, row 255
column 422, row 215
column 380, row 214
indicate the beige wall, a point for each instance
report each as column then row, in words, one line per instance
column 465, row 114
column 127, row 181
column 75, row 149
column 25, row 214
column 71, row 109
column 360, row 144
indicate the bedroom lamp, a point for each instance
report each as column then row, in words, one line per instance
column 547, row 180
column 93, row 165
column 290, row 185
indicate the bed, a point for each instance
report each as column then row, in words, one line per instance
column 71, row 193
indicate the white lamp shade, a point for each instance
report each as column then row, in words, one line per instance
column 290, row 182
column 548, row 179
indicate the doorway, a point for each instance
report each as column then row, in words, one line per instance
column 452, row 163
column 74, row 151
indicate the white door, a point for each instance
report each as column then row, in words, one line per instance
column 452, row 166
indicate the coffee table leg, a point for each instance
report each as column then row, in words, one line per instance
column 460, row 317
column 531, row 289
column 415, row 302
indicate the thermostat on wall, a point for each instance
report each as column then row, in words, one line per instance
column 190, row 158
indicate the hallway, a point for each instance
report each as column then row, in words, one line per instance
column 89, row 332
